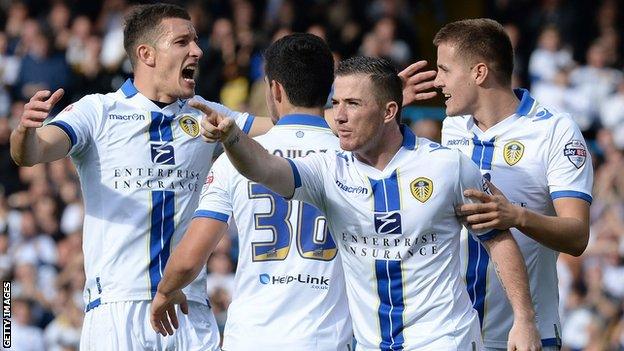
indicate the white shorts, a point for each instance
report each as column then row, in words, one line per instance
column 125, row 325
column 544, row 348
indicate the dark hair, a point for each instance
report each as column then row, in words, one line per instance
column 304, row 65
column 143, row 24
column 384, row 76
column 481, row 39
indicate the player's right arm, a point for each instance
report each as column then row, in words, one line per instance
column 33, row 143
column 247, row 156
column 185, row 263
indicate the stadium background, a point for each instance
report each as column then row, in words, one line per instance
column 568, row 52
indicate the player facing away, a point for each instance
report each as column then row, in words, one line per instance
column 536, row 156
column 289, row 287
column 141, row 167
column 390, row 199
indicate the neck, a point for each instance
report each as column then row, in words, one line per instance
column 494, row 105
column 147, row 87
column 382, row 148
column 291, row 110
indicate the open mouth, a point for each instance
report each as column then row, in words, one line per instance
column 446, row 97
column 188, row 73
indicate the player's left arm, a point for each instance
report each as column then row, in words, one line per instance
column 570, row 177
column 511, row 270
column 185, row 263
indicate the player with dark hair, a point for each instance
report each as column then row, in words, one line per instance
column 390, row 200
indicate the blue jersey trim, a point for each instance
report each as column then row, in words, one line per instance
column 571, row 193
column 128, row 88
column 526, row 102
column 67, row 129
column 211, row 214
column 296, row 174
column 489, row 235
column 93, row 304
column 162, row 228
column 551, row 342
column 303, row 119
column 248, row 124
column 409, row 138
column 476, row 276
column 391, row 305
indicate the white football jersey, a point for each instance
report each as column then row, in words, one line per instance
column 534, row 156
column 398, row 237
column 289, row 287
column 141, row 171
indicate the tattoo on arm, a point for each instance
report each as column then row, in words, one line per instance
column 232, row 141
column 499, row 276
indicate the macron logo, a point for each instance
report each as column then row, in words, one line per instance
column 132, row 117
column 351, row 189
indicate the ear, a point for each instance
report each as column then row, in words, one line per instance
column 392, row 108
column 146, row 54
column 277, row 90
column 480, row 72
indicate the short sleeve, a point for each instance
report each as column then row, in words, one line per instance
column 244, row 120
column 80, row 121
column 569, row 165
column 470, row 178
column 215, row 200
column 309, row 182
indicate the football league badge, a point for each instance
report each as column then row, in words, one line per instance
column 576, row 152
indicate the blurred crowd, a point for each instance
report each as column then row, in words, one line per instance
column 568, row 52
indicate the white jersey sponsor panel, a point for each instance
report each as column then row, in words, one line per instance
column 289, row 284
column 398, row 237
column 141, row 169
column 535, row 156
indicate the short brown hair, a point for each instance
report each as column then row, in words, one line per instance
column 142, row 24
column 481, row 39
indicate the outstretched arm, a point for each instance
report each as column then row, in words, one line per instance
column 185, row 263
column 247, row 156
column 33, row 143
column 512, row 273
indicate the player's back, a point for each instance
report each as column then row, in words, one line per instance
column 289, row 286
column 533, row 157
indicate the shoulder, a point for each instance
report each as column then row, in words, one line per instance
column 455, row 122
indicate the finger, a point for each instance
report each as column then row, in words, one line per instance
column 38, row 106
column 173, row 316
column 478, row 195
column 41, row 95
column 225, row 125
column 481, row 218
column 483, row 226
column 166, row 324
column 469, row 209
column 210, row 113
column 184, row 307
column 157, row 325
column 421, row 87
column 421, row 77
column 56, row 96
column 413, row 68
column 425, row 96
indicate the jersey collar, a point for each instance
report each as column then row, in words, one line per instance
column 526, row 102
column 303, row 119
column 409, row 138
column 128, row 88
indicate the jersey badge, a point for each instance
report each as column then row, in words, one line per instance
column 190, row 126
column 512, row 152
column 575, row 152
column 421, row 189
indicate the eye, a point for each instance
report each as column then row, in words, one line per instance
column 334, row 102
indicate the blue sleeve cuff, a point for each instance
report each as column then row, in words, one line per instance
column 67, row 129
column 211, row 214
column 489, row 235
column 571, row 193
column 248, row 124
column 295, row 173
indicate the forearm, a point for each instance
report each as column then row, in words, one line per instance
column 563, row 234
column 511, row 270
column 25, row 146
column 191, row 254
column 257, row 164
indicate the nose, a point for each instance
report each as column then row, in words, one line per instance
column 196, row 51
column 339, row 111
column 437, row 82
